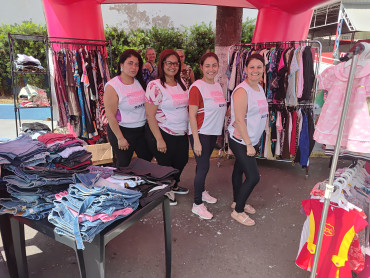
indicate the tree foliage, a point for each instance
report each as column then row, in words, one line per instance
column 33, row 48
column 194, row 40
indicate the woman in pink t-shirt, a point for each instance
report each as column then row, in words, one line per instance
column 207, row 108
column 166, row 105
column 124, row 107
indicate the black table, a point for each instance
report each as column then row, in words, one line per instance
column 91, row 260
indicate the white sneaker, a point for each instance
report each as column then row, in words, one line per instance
column 208, row 198
column 202, row 211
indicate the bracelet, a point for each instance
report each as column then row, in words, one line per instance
column 249, row 145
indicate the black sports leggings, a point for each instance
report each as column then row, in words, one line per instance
column 208, row 144
column 177, row 154
column 247, row 165
column 136, row 139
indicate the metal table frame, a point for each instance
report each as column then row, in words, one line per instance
column 91, row 260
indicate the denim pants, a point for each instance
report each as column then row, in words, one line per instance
column 89, row 201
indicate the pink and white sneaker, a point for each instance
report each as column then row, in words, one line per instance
column 202, row 211
column 208, row 198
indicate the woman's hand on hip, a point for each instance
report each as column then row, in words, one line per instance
column 161, row 146
column 197, row 148
column 250, row 150
column 123, row 144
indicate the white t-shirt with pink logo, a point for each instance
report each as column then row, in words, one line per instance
column 172, row 113
column 131, row 100
column 214, row 108
column 255, row 117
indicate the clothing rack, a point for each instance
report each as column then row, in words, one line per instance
column 283, row 45
column 330, row 187
column 269, row 45
column 75, row 44
column 83, row 43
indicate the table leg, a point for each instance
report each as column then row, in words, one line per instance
column 167, row 235
column 91, row 260
column 6, row 235
column 17, row 229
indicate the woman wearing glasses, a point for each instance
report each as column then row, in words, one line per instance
column 166, row 106
column 124, row 107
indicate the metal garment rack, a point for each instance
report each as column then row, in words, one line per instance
column 329, row 187
column 283, row 44
column 84, row 42
column 14, row 73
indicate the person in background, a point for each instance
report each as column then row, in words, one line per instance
column 186, row 72
column 166, row 105
column 124, row 107
column 207, row 108
column 150, row 70
column 249, row 113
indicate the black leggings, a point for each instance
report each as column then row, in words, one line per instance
column 208, row 144
column 247, row 165
column 177, row 153
column 136, row 139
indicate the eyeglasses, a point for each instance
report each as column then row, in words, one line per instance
column 171, row 64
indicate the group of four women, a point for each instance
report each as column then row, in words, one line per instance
column 160, row 118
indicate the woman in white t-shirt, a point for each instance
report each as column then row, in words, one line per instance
column 124, row 97
column 207, row 108
column 166, row 105
column 249, row 113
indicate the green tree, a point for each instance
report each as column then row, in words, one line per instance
column 248, row 30
column 33, row 48
column 199, row 40
column 119, row 43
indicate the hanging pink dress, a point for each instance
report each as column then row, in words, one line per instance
column 356, row 133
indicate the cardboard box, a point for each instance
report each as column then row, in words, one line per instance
column 101, row 153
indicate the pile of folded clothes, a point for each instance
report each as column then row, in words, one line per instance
column 31, row 194
column 23, row 151
column 36, row 175
column 90, row 205
column 66, row 151
column 28, row 64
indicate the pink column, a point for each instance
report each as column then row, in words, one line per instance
column 80, row 19
column 277, row 25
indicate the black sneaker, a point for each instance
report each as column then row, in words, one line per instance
column 180, row 190
column 173, row 203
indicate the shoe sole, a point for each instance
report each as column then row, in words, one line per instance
column 173, row 203
column 180, row 193
column 209, row 201
column 201, row 216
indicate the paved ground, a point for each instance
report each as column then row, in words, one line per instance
column 217, row 248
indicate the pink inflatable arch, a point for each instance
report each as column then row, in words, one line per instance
column 278, row 20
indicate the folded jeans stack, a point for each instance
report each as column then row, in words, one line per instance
column 83, row 212
column 32, row 195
